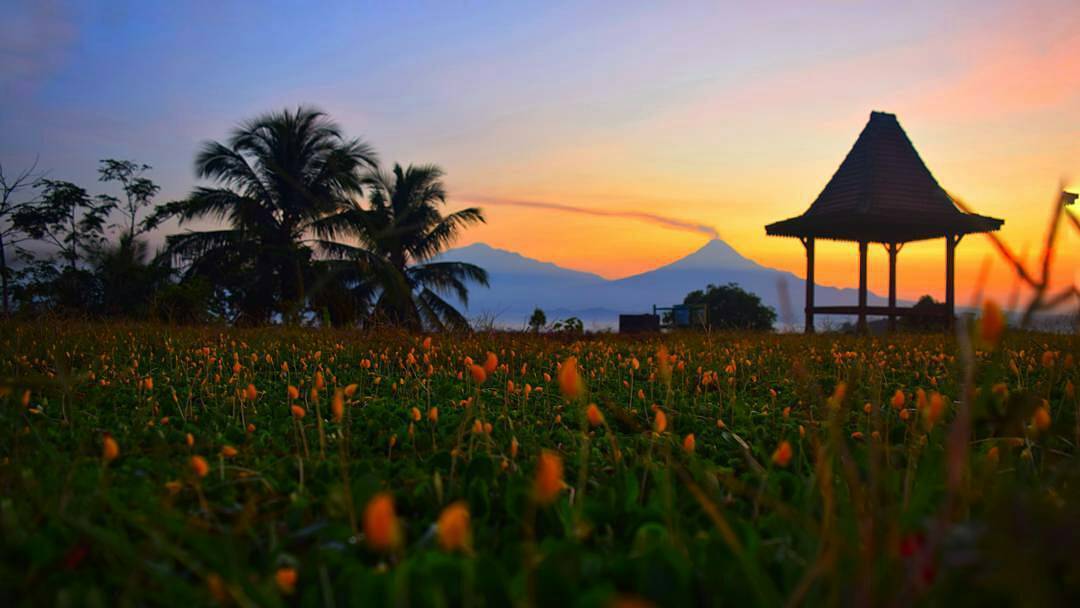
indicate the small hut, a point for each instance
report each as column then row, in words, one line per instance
column 882, row 193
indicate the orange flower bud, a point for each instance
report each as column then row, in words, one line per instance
column 298, row 412
column 1041, row 419
column 109, row 449
column 286, row 580
column 294, row 393
column 453, row 527
column 228, row 451
column 992, row 323
column 898, row 399
column 337, row 405
column 595, row 416
column 491, row 363
column 478, row 374
column 199, row 466
column 570, row 382
column 660, row 421
column 935, row 410
column 688, row 443
column 381, row 526
column 549, row 477
column 782, row 455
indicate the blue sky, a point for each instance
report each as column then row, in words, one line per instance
column 729, row 114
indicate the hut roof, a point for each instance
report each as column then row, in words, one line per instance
column 883, row 192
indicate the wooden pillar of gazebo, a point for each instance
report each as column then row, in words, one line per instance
column 862, row 286
column 808, row 243
column 892, row 249
column 951, row 241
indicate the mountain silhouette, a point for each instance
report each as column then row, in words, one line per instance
column 519, row 284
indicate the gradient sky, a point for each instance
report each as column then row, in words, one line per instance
column 663, row 123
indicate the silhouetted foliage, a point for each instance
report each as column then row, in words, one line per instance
column 67, row 218
column 278, row 174
column 139, row 190
column 926, row 314
column 287, row 185
column 537, row 321
column 732, row 307
column 12, row 190
column 399, row 232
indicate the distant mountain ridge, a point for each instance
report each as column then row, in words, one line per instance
column 519, row 284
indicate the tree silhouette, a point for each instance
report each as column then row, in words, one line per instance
column 138, row 189
column 12, row 188
column 731, row 307
column 398, row 234
column 278, row 174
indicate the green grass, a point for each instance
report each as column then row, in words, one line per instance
column 872, row 508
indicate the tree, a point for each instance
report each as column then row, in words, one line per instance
column 138, row 190
column 731, row 307
column 398, row 234
column 70, row 220
column 537, row 321
column 277, row 175
column 128, row 280
column 67, row 218
column 11, row 189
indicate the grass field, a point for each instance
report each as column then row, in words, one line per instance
column 148, row 465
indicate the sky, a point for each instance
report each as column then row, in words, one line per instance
column 608, row 137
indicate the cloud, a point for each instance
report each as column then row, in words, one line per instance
column 649, row 218
column 35, row 38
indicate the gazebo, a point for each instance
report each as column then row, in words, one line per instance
column 882, row 193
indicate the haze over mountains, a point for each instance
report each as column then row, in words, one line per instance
column 520, row 284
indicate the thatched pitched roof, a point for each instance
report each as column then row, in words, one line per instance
column 883, row 192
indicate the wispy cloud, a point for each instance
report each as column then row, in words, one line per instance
column 34, row 40
column 649, row 218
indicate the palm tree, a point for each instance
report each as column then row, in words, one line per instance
column 277, row 175
column 397, row 235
